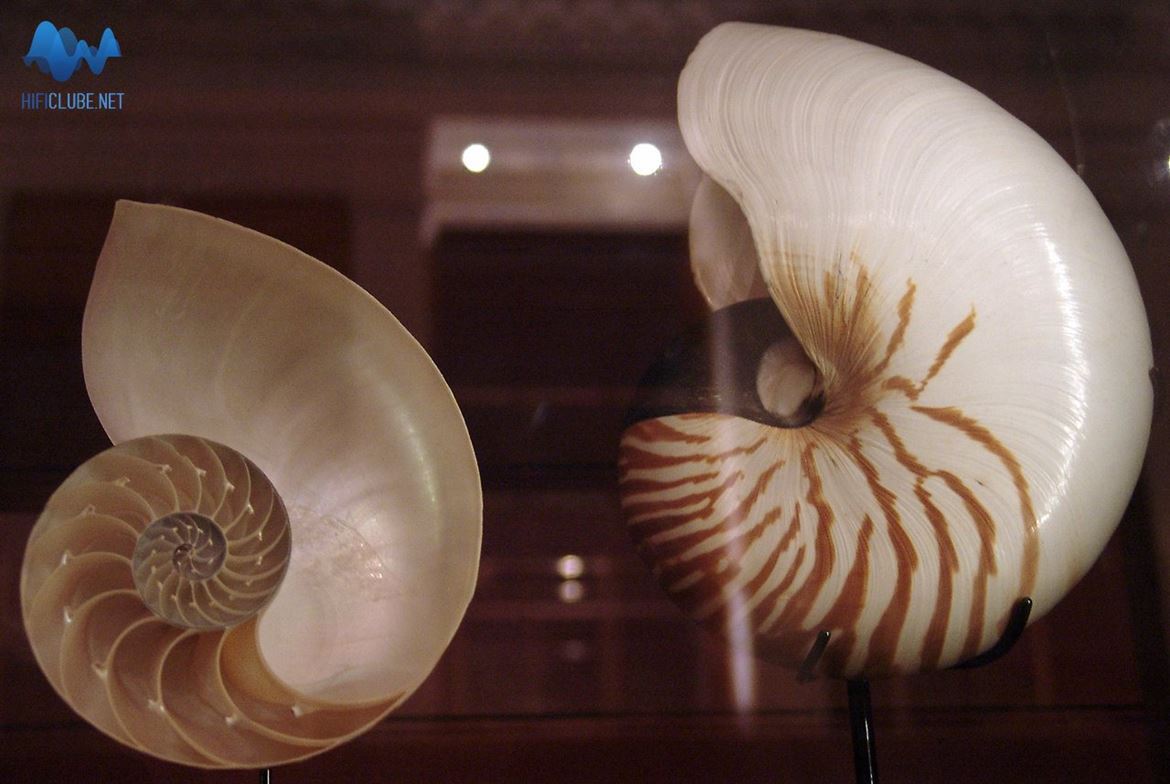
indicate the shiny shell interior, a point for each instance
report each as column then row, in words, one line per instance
column 278, row 579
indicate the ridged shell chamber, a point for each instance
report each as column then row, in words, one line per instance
column 284, row 537
column 939, row 405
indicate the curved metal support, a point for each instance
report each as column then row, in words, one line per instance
column 1017, row 622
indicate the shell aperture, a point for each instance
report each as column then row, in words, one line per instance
column 700, row 373
column 978, row 339
column 274, row 584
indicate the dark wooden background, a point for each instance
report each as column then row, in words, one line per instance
column 309, row 121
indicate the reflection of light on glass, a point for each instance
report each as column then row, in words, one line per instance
column 741, row 662
column 645, row 159
column 571, row 591
column 741, row 665
column 476, row 158
column 574, row 651
column 570, row 567
column 1160, row 141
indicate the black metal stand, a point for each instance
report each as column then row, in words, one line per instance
column 860, row 712
column 861, row 727
column 1015, row 627
column 266, row 776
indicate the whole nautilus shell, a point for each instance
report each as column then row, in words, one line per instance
column 940, row 405
column 286, row 535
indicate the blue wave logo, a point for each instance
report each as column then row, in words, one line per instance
column 60, row 54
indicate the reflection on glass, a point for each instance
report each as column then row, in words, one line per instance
column 571, row 591
column 574, row 651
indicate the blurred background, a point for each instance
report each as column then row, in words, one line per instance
column 543, row 285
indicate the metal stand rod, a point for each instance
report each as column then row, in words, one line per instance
column 861, row 726
column 266, row 776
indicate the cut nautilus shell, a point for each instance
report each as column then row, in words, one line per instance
column 286, row 534
column 941, row 404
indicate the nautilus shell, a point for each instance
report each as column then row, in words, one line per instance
column 941, row 403
column 286, row 535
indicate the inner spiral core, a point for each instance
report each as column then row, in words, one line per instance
column 181, row 548
column 196, row 544
column 788, row 384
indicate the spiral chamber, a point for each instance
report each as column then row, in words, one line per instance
column 142, row 583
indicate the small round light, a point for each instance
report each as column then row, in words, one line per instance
column 645, row 159
column 570, row 567
column 476, row 158
column 571, row 591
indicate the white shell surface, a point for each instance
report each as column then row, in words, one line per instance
column 196, row 325
column 723, row 253
column 982, row 345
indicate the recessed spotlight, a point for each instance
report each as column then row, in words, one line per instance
column 476, row 158
column 645, row 159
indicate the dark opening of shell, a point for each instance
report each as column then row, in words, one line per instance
column 724, row 364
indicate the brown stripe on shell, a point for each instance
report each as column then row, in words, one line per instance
column 716, row 567
column 657, row 430
column 724, row 618
column 638, row 486
column 732, row 613
column 955, row 418
column 645, row 513
column 633, row 458
column 985, row 525
column 905, row 308
column 842, row 617
column 673, row 550
column 884, row 641
column 787, row 646
column 800, row 604
column 948, row 558
column 936, row 632
column 956, row 336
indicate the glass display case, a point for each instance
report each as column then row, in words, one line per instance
column 544, row 278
